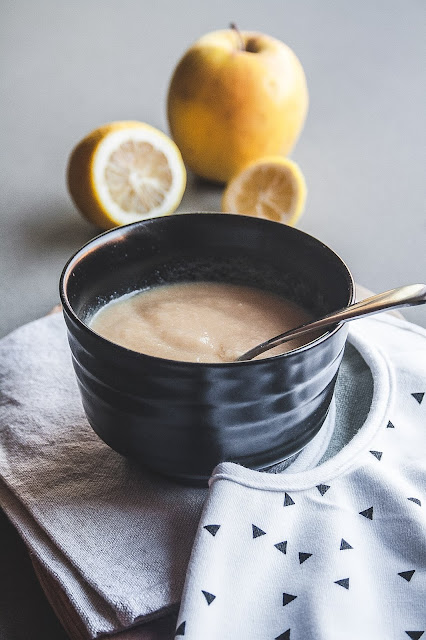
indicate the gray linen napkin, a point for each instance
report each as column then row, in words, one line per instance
column 115, row 538
column 110, row 542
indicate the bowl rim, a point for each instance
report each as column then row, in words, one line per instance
column 121, row 231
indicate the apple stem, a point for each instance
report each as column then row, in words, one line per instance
column 239, row 36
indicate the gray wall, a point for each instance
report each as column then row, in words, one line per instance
column 67, row 67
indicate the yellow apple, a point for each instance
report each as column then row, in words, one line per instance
column 235, row 97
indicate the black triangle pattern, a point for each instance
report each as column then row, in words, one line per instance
column 323, row 488
column 390, row 425
column 288, row 500
column 303, row 557
column 281, row 546
column 208, row 596
column 287, row 598
column 414, row 635
column 180, row 631
column 345, row 545
column 284, row 636
column 343, row 583
column 257, row 532
column 418, row 396
column 416, row 500
column 377, row 454
column 407, row 575
column 368, row 513
column 212, row 528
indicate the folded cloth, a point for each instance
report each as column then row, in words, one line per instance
column 110, row 542
column 116, row 538
column 336, row 551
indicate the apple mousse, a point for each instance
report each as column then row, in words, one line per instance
column 199, row 321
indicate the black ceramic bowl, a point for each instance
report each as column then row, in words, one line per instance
column 182, row 418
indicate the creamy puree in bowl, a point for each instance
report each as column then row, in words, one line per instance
column 199, row 321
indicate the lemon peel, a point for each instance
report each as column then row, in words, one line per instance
column 273, row 188
column 125, row 171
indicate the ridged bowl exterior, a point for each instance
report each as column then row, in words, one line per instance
column 179, row 418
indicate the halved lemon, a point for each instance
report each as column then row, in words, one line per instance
column 125, row 171
column 272, row 188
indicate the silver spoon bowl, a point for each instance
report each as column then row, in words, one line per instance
column 407, row 296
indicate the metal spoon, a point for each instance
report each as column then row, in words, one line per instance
column 412, row 294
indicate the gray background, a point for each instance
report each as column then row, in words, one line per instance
column 68, row 67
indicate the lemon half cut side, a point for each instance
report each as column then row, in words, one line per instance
column 273, row 188
column 124, row 172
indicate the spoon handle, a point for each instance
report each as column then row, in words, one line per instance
column 409, row 295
